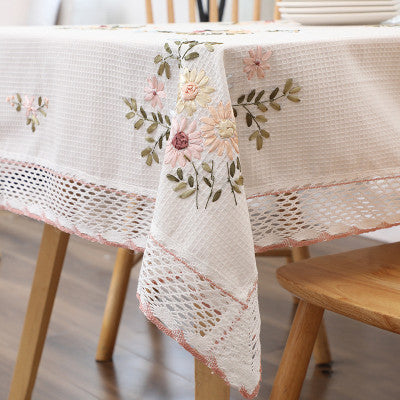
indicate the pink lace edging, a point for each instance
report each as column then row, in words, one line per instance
column 323, row 237
column 100, row 239
column 179, row 337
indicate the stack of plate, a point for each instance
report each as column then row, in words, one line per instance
column 338, row 12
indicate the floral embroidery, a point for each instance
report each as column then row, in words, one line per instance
column 183, row 51
column 186, row 143
column 156, row 123
column 220, row 132
column 256, row 101
column 155, row 92
column 32, row 109
column 193, row 90
column 256, row 63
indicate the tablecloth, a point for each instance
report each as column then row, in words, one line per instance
column 199, row 145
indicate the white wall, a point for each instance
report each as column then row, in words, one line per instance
column 133, row 11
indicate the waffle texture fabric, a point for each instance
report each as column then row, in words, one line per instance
column 200, row 144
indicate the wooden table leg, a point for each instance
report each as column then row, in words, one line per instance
column 44, row 288
column 296, row 356
column 322, row 353
column 115, row 303
column 209, row 386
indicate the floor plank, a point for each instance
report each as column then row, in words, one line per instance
column 148, row 365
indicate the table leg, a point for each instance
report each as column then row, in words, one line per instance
column 296, row 356
column 115, row 303
column 209, row 386
column 44, row 288
column 322, row 353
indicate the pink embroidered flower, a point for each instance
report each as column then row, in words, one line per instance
column 155, row 92
column 185, row 141
column 28, row 105
column 219, row 130
column 256, row 63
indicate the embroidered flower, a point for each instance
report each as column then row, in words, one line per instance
column 185, row 141
column 155, row 92
column 220, row 132
column 193, row 90
column 31, row 109
column 256, row 63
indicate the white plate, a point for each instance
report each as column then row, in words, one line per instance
column 336, row 10
column 340, row 3
column 339, row 19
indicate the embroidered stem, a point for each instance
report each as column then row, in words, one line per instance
column 230, row 183
column 212, row 183
column 197, row 184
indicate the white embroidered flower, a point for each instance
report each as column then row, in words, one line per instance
column 193, row 91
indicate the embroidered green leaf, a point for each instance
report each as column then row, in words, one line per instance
column 157, row 58
column 239, row 166
column 172, row 178
column 167, row 120
column 177, row 42
column 209, row 47
column 207, row 181
column 261, row 118
column 234, row 112
column 232, row 169
column 262, row 107
column 138, row 124
column 150, row 140
column 19, row 97
column 288, row 85
column 42, row 112
column 274, row 93
column 18, row 108
column 191, row 56
column 160, row 118
column 28, row 121
column 241, row 99
column 130, row 115
column 253, row 135
column 251, row 95
column 134, row 104
column 217, row 195
column 258, row 97
column 249, row 119
column 188, row 193
column 127, row 102
column 155, row 156
column 143, row 112
column 180, row 186
column 167, row 134
column 259, row 142
column 160, row 142
column 152, row 127
column 179, row 172
column 239, row 181
column 40, row 101
column 161, row 69
column 264, row 133
column 295, row 90
column 146, row 151
column 275, row 106
column 154, row 116
column 293, row 98
column 206, row 167
column 191, row 181
column 33, row 127
column 149, row 160
column 167, row 71
column 167, row 48
column 236, row 189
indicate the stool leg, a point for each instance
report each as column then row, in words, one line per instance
column 322, row 353
column 44, row 288
column 208, row 386
column 115, row 304
column 296, row 356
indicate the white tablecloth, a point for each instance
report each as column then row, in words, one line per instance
column 126, row 136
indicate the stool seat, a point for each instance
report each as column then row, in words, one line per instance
column 362, row 284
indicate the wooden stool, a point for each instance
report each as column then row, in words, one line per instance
column 363, row 285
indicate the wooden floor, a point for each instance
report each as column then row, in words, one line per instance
column 148, row 365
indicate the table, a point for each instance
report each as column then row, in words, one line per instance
column 201, row 144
